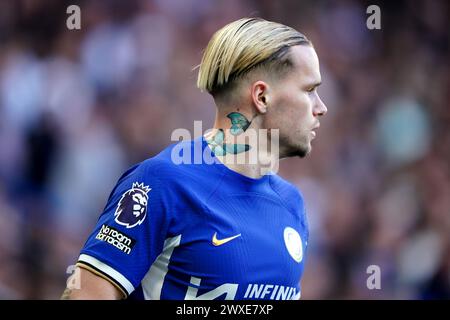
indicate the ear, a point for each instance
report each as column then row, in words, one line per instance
column 260, row 96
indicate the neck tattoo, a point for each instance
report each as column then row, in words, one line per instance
column 239, row 123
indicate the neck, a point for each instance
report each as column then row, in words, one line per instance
column 239, row 142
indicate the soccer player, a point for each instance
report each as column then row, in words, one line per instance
column 221, row 229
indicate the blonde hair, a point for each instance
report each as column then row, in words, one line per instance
column 242, row 46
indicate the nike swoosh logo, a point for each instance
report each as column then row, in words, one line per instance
column 218, row 242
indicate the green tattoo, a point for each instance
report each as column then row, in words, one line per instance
column 239, row 124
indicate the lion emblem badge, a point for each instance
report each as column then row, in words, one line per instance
column 132, row 207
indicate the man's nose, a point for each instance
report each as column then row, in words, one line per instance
column 320, row 107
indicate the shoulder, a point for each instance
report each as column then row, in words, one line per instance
column 287, row 191
column 292, row 198
column 158, row 177
column 161, row 166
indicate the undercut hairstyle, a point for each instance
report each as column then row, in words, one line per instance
column 242, row 46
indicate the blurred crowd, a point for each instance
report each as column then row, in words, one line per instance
column 78, row 107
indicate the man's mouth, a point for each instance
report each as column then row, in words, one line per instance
column 313, row 133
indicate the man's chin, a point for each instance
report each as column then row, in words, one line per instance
column 304, row 152
column 299, row 151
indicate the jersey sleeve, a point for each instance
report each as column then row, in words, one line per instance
column 130, row 232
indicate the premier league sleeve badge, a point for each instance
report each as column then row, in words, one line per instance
column 132, row 207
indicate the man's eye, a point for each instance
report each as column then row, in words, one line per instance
column 311, row 89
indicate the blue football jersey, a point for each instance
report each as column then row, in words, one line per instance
column 180, row 231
